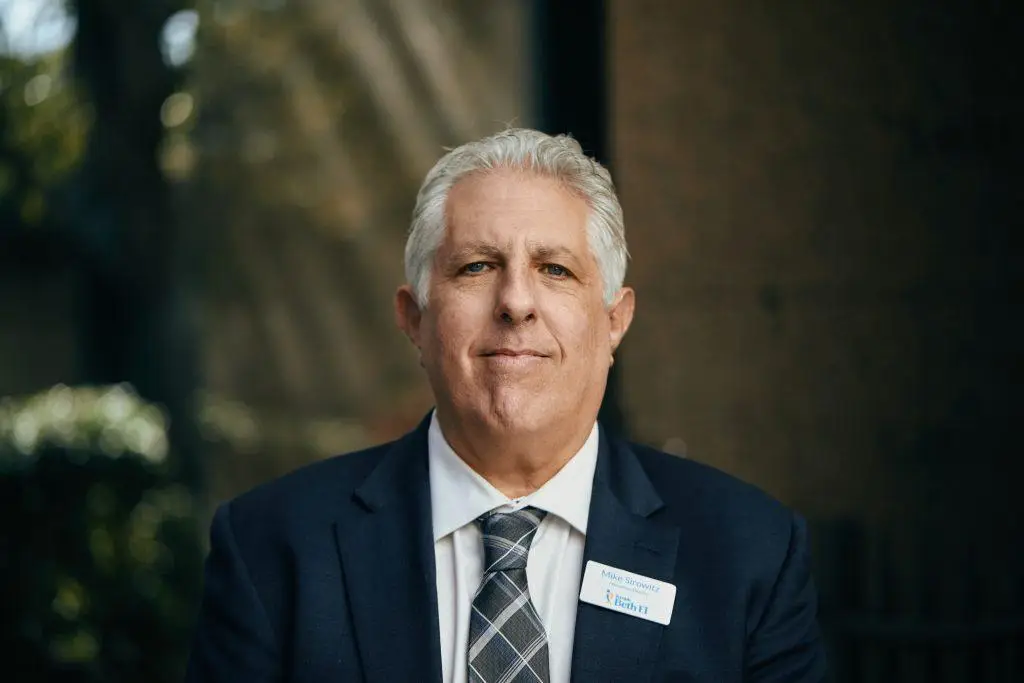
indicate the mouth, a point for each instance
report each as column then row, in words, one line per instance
column 514, row 353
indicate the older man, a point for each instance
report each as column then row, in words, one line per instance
column 509, row 538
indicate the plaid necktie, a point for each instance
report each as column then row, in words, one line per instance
column 507, row 642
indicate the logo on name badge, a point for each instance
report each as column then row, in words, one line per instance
column 628, row 593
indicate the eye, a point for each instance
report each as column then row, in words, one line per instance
column 475, row 268
column 556, row 270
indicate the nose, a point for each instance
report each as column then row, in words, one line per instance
column 516, row 300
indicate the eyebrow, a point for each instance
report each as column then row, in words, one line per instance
column 473, row 250
column 542, row 253
column 538, row 252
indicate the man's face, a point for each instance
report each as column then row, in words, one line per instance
column 516, row 334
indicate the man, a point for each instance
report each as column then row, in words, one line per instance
column 509, row 537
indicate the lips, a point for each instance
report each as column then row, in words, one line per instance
column 515, row 353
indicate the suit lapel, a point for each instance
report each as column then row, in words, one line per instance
column 623, row 532
column 387, row 554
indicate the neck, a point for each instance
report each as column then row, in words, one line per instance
column 517, row 463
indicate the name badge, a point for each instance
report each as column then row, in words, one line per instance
column 629, row 593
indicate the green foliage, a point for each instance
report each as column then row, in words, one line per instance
column 44, row 125
column 100, row 557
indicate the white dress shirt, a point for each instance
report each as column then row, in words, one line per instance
column 458, row 495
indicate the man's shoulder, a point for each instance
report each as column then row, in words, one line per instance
column 311, row 490
column 695, row 490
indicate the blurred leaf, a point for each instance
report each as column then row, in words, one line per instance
column 44, row 126
column 101, row 556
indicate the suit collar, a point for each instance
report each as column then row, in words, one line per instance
column 625, row 533
column 620, row 473
column 387, row 556
column 401, row 472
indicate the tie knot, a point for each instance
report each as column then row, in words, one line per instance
column 507, row 538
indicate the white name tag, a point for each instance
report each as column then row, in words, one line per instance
column 629, row 593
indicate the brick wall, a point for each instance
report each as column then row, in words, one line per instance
column 818, row 204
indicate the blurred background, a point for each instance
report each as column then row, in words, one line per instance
column 203, row 205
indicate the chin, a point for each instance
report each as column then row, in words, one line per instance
column 520, row 412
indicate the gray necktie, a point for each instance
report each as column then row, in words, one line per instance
column 507, row 642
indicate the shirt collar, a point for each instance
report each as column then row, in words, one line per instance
column 458, row 494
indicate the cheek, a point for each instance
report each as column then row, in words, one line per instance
column 452, row 332
column 584, row 333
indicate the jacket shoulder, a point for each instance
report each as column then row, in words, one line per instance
column 311, row 491
column 716, row 499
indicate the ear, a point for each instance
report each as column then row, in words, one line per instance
column 408, row 315
column 620, row 316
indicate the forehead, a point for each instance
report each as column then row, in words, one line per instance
column 507, row 206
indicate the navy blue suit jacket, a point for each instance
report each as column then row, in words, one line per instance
column 327, row 574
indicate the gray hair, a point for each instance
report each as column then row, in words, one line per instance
column 559, row 157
